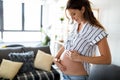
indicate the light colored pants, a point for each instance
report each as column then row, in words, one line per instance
column 69, row 77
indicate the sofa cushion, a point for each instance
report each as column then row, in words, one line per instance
column 43, row 61
column 35, row 49
column 26, row 57
column 8, row 69
column 105, row 72
column 5, row 51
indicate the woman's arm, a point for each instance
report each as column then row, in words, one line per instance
column 57, row 59
column 104, row 58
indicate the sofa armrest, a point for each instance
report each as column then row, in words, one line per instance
column 105, row 72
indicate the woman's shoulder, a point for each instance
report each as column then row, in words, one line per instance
column 92, row 30
column 93, row 27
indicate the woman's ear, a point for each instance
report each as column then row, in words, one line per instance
column 83, row 9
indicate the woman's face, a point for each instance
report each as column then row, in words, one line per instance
column 76, row 15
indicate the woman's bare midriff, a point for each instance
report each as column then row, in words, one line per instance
column 72, row 67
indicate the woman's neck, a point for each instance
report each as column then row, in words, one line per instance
column 80, row 25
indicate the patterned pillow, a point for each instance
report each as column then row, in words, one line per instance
column 26, row 57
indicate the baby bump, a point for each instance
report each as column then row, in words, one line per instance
column 66, row 60
column 72, row 67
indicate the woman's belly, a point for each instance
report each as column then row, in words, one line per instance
column 72, row 67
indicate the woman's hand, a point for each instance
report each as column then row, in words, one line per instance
column 58, row 63
column 73, row 55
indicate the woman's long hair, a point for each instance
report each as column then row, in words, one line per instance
column 88, row 14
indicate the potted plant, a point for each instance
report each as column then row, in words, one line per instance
column 46, row 38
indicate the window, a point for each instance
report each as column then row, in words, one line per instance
column 21, row 20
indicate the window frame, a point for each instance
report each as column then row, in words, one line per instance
column 23, row 21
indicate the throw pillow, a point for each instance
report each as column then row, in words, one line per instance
column 43, row 61
column 26, row 57
column 9, row 69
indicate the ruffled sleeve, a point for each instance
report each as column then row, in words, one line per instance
column 100, row 34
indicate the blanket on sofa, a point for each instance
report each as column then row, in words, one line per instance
column 38, row 75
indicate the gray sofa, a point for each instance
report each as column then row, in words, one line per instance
column 105, row 72
column 35, row 74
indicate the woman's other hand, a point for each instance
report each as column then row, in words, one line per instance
column 73, row 55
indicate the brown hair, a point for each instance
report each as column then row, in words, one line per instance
column 88, row 14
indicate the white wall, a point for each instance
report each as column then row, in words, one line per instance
column 109, row 16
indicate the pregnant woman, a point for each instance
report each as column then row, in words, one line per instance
column 78, row 52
